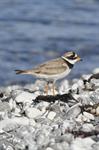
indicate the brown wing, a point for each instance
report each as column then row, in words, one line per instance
column 51, row 67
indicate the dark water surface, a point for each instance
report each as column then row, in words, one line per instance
column 33, row 31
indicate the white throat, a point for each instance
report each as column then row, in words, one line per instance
column 69, row 60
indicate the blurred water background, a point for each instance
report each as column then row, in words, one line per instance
column 33, row 31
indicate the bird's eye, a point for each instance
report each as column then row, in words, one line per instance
column 72, row 56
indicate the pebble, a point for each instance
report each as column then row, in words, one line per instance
column 85, row 117
column 25, row 97
column 12, row 104
column 51, row 115
column 94, row 96
column 49, row 148
column 87, row 127
column 74, row 88
column 68, row 125
column 82, row 144
column 4, row 107
column 86, row 98
column 61, row 146
column 88, row 116
column 74, row 111
column 86, row 76
column 97, row 111
column 32, row 112
column 95, row 146
column 96, row 70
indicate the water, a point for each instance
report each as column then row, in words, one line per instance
column 34, row 31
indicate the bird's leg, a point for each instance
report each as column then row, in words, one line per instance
column 46, row 88
column 53, row 88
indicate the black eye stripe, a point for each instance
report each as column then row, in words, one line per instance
column 72, row 56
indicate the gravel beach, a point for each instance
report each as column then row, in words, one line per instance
column 30, row 120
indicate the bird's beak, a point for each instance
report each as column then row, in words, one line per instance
column 78, row 58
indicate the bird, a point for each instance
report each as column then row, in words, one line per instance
column 54, row 69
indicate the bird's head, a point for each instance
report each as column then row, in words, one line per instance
column 71, row 57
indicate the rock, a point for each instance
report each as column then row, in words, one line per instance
column 4, row 110
column 51, row 115
column 97, row 111
column 94, row 96
column 74, row 111
column 4, row 107
column 85, row 117
column 49, row 148
column 60, row 146
column 95, row 146
column 87, row 127
column 67, row 137
column 32, row 122
column 88, row 116
column 86, row 98
column 77, row 86
column 42, row 106
column 97, row 128
column 25, row 97
column 86, row 76
column 82, row 144
column 68, row 125
column 12, row 104
column 42, row 139
column 95, row 82
column 32, row 112
column 14, row 121
column 96, row 70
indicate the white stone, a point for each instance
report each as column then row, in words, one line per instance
column 49, row 148
column 15, row 121
column 88, row 115
column 51, row 115
column 12, row 104
column 25, row 97
column 97, row 111
column 85, row 97
column 68, row 125
column 86, row 76
column 82, row 144
column 32, row 122
column 44, row 106
column 87, row 127
column 32, row 112
column 80, row 83
column 4, row 107
column 17, row 111
column 75, row 87
column 96, row 70
column 85, row 117
column 74, row 111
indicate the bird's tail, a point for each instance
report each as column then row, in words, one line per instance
column 23, row 71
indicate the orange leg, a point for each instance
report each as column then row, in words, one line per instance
column 46, row 89
column 53, row 88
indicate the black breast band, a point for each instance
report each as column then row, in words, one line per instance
column 68, row 63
